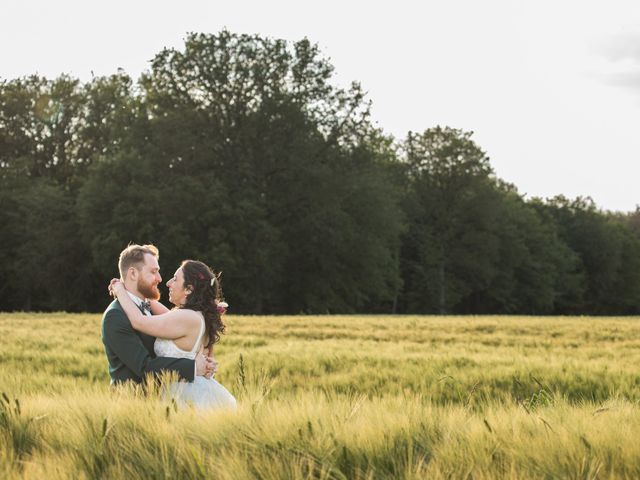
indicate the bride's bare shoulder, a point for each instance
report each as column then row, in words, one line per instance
column 186, row 315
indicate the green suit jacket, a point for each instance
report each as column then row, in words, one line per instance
column 130, row 353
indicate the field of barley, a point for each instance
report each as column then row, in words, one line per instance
column 335, row 397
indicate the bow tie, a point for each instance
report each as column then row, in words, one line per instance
column 145, row 306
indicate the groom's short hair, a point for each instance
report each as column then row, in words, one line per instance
column 133, row 256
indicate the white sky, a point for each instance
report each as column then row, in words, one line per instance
column 550, row 88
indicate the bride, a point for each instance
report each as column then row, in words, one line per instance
column 193, row 326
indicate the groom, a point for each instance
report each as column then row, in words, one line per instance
column 129, row 352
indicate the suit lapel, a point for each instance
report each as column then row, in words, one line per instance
column 147, row 340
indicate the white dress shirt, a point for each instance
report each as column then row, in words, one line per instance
column 138, row 301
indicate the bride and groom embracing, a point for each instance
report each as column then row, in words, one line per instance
column 142, row 337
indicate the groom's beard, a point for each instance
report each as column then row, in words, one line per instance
column 148, row 290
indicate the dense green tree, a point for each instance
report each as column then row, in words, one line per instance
column 608, row 251
column 245, row 156
column 536, row 270
column 44, row 263
column 39, row 127
column 630, row 219
column 473, row 244
column 41, row 165
column 451, row 247
column 562, row 263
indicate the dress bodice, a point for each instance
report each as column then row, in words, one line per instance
column 203, row 392
column 163, row 347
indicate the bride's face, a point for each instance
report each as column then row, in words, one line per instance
column 177, row 292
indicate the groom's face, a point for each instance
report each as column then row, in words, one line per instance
column 149, row 278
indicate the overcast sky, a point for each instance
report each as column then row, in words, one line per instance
column 550, row 88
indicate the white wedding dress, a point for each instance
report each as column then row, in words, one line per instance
column 202, row 393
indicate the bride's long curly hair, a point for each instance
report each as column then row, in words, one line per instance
column 204, row 297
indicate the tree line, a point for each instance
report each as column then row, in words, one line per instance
column 241, row 151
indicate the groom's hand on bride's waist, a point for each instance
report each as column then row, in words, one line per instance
column 205, row 366
column 213, row 367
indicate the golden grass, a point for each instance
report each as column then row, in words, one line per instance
column 335, row 397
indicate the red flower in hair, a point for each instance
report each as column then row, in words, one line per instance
column 222, row 307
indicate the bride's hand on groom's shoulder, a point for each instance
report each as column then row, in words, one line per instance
column 112, row 285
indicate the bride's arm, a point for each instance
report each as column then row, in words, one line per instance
column 157, row 308
column 172, row 325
